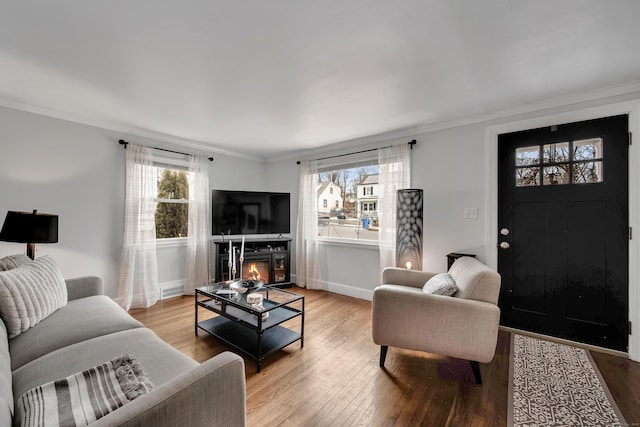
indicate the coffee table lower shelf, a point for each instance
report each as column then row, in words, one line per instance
column 249, row 341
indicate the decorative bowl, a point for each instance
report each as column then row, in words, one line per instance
column 244, row 286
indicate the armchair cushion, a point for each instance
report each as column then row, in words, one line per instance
column 441, row 284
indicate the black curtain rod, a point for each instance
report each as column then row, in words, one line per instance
column 125, row 143
column 411, row 144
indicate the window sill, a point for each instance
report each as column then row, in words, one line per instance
column 171, row 243
column 352, row 243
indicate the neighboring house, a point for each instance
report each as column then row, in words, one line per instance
column 367, row 197
column 329, row 197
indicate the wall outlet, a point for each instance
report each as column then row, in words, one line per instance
column 471, row 213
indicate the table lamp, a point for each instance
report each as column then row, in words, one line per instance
column 30, row 228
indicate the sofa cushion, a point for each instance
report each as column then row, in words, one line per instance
column 6, row 392
column 79, row 320
column 441, row 284
column 12, row 261
column 85, row 397
column 30, row 293
column 161, row 361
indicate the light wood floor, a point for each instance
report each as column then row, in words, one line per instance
column 335, row 379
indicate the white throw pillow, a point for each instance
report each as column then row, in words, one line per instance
column 12, row 261
column 441, row 284
column 30, row 293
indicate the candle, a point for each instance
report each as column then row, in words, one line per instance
column 233, row 255
column 242, row 248
column 229, row 251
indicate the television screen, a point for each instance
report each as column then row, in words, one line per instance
column 249, row 212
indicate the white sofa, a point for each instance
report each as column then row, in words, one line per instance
column 91, row 329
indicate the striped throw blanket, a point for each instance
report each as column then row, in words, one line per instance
column 84, row 397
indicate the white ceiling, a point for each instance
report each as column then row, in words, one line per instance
column 268, row 77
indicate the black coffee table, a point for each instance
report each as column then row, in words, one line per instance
column 243, row 326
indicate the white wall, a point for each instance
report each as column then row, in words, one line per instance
column 451, row 166
column 71, row 170
column 77, row 172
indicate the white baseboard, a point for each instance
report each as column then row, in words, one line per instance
column 350, row 291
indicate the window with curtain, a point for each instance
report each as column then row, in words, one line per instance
column 366, row 184
column 167, row 197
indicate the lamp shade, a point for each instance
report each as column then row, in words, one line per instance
column 29, row 227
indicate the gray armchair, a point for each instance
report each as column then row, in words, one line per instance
column 463, row 326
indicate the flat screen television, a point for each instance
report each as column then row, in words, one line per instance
column 250, row 212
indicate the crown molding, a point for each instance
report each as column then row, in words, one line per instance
column 336, row 145
column 174, row 141
column 628, row 88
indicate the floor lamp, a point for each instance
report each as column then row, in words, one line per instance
column 30, row 228
column 409, row 229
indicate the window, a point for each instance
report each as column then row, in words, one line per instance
column 560, row 163
column 351, row 183
column 368, row 207
column 325, row 204
column 172, row 210
column 330, row 190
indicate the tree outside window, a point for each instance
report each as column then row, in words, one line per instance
column 172, row 212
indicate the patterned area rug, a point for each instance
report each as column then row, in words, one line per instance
column 552, row 384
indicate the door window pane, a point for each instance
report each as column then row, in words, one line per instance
column 556, row 153
column 527, row 177
column 587, row 172
column 587, row 149
column 526, row 156
column 556, row 175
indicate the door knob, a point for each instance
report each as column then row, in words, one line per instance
column 504, row 231
column 504, row 245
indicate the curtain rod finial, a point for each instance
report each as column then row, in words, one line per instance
column 412, row 143
column 298, row 162
column 123, row 142
column 210, row 159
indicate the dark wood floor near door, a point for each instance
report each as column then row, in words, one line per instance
column 335, row 379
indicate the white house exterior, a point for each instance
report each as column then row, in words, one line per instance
column 367, row 197
column 329, row 197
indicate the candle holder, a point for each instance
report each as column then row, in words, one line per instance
column 241, row 261
column 230, row 264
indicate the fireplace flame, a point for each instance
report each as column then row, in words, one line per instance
column 253, row 273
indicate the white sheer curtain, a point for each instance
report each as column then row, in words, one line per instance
column 138, row 286
column 394, row 173
column 307, row 256
column 198, row 268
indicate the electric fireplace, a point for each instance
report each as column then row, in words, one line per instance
column 266, row 260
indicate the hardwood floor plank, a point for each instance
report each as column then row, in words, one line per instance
column 335, row 380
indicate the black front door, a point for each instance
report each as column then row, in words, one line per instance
column 563, row 231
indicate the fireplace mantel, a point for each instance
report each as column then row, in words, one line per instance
column 275, row 253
